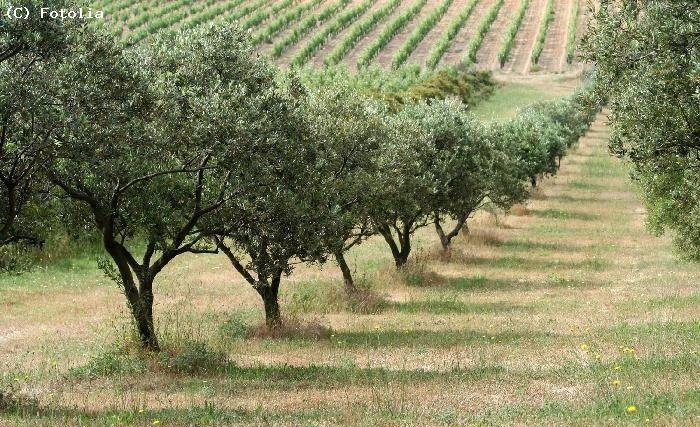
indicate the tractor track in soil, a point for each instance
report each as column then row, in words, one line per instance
column 384, row 57
column 455, row 52
column 520, row 58
column 487, row 56
column 553, row 57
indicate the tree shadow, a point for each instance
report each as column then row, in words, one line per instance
column 483, row 284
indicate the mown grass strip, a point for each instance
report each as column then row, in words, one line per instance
column 542, row 35
column 389, row 32
column 305, row 26
column 443, row 43
column 419, row 34
column 321, row 37
column 504, row 53
column 478, row 39
column 573, row 29
column 358, row 30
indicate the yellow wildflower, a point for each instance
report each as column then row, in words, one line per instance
column 630, row 409
column 616, row 382
column 155, row 422
column 597, row 356
column 141, row 411
column 584, row 346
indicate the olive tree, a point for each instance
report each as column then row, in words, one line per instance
column 157, row 141
column 348, row 131
column 405, row 201
column 320, row 189
column 469, row 167
column 646, row 57
column 29, row 50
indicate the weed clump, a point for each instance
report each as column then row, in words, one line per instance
column 291, row 328
column 110, row 363
column 416, row 272
column 193, row 357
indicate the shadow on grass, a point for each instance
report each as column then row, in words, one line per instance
column 426, row 338
column 484, row 284
column 585, row 185
column 451, row 306
column 575, row 199
column 520, row 263
column 529, row 245
column 562, row 214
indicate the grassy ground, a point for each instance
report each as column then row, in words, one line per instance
column 568, row 313
column 518, row 91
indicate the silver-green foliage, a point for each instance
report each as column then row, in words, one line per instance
column 647, row 62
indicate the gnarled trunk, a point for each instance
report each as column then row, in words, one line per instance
column 349, row 283
column 446, row 238
column 401, row 247
column 140, row 298
column 269, row 294
column 142, row 311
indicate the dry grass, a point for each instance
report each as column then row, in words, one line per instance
column 291, row 328
column 527, row 322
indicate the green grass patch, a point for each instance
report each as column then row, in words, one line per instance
column 565, row 214
column 509, row 99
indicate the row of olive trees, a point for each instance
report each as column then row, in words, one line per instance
column 192, row 145
column 647, row 55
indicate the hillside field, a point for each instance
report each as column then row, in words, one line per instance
column 386, row 33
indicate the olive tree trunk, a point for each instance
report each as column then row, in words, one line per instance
column 349, row 283
column 401, row 245
column 139, row 295
column 269, row 294
column 446, row 238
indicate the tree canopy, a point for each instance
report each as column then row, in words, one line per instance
column 647, row 56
